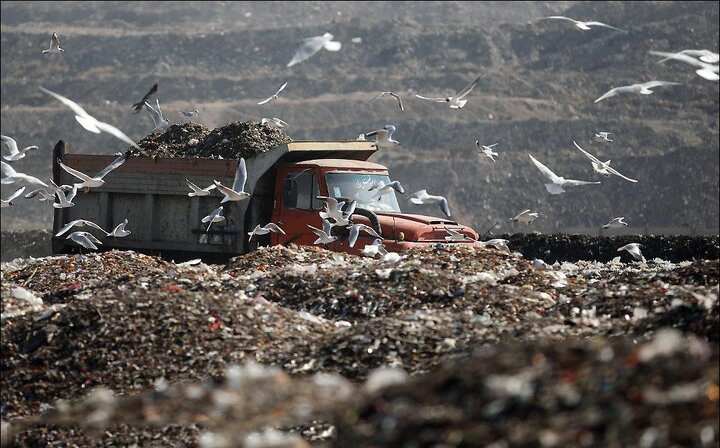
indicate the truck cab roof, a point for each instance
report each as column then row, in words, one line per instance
column 342, row 164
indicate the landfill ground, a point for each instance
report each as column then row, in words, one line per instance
column 447, row 347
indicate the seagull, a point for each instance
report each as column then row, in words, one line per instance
column 457, row 101
column 273, row 122
column 615, row 223
column 704, row 55
column 197, row 191
column 85, row 239
column 65, row 202
column 603, row 168
column 355, row 233
column 54, row 45
column 370, row 250
column 422, row 197
column 139, row 105
column 308, row 47
column 361, row 137
column 97, row 181
column 214, row 216
column 557, row 182
column 583, row 25
column 156, row 116
column 8, row 202
column 602, row 136
column 383, row 137
column 383, row 188
column 324, row 236
column 643, row 88
column 190, row 113
column 526, row 217
column 15, row 153
column 79, row 223
column 10, row 176
column 45, row 195
column 498, row 243
column 90, row 123
column 487, row 150
column 706, row 71
column 453, row 235
column 335, row 210
column 267, row 228
column 634, row 250
column 119, row 230
column 392, row 94
column 237, row 193
column 274, row 95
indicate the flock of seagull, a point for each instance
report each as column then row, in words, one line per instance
column 334, row 213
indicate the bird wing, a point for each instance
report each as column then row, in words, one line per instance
column 369, row 230
column 601, row 24
column 192, row 186
column 308, row 47
column 560, row 18
column 157, row 103
column 139, row 105
column 68, row 226
column 615, row 172
column 331, row 45
column 354, row 234
column 8, row 170
column 115, row 163
column 282, row 87
column 271, row 226
column 72, row 194
column 399, row 101
column 575, row 183
column 437, row 100
column 545, row 170
column 240, row 177
column 92, row 224
column 444, row 206
column 608, row 94
column 17, row 193
column 397, row 186
column 587, row 154
column 467, row 89
column 228, row 192
column 419, row 196
column 112, row 130
column 54, row 42
column 651, row 84
column 265, row 101
column 679, row 57
column 153, row 114
column 11, row 144
column 82, row 239
column 69, row 103
column 82, row 176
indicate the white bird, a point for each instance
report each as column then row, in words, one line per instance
column 634, row 250
column 603, row 168
column 422, row 197
column 214, row 216
column 487, row 150
column 540, row 265
column 45, row 195
column 237, row 193
column 557, row 182
column 370, row 250
column 602, row 136
column 615, row 223
column 392, row 94
column 264, row 230
column 15, row 153
column 97, row 180
column 355, row 233
column 65, row 201
column 197, row 191
column 497, row 243
column 89, row 122
column 159, row 122
column 453, row 235
column 643, row 88
column 10, row 176
column 705, row 70
column 525, row 216
column 381, row 188
column 79, row 223
column 583, row 25
column 119, row 230
column 274, row 96
column 274, row 121
column 324, row 235
column 704, row 55
column 361, row 137
column 311, row 45
column 334, row 209
column 383, row 137
column 54, row 45
column 456, row 101
column 190, row 113
column 391, row 257
column 85, row 239
column 8, row 202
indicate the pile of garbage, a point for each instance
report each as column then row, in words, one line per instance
column 192, row 140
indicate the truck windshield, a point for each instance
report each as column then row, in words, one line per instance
column 357, row 186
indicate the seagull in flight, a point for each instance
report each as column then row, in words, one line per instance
column 457, row 101
column 274, row 95
column 383, row 188
column 214, row 216
column 453, row 235
column 355, row 233
column 156, row 116
column 97, row 180
column 497, row 243
column 90, row 123
column 8, row 202
column 634, row 250
column 45, row 195
column 119, row 230
column 274, row 122
column 392, row 94
column 190, row 113
column 370, row 250
column 15, row 153
column 705, row 70
column 583, row 25
column 54, row 45
column 557, row 182
column 422, row 197
column 308, row 47
column 64, row 201
column 615, row 223
column 704, row 55
column 525, row 216
column 139, row 105
column 324, row 235
column 85, row 239
column 264, row 230
column 383, row 137
column 602, row 136
column 79, row 223
column 487, row 150
column 603, row 168
column 9, row 176
column 643, row 88
column 197, row 191
column 334, row 209
column 237, row 192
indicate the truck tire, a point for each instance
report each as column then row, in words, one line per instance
column 374, row 221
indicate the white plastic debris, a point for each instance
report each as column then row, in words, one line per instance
column 383, row 377
column 27, row 295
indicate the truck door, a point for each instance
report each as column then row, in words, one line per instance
column 298, row 207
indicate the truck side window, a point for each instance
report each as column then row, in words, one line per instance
column 300, row 191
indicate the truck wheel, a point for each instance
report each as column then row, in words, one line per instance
column 374, row 221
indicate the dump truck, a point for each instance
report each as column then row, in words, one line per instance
column 285, row 184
